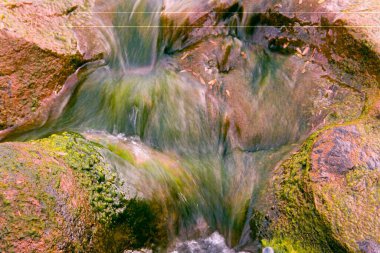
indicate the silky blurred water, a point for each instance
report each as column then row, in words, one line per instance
column 155, row 122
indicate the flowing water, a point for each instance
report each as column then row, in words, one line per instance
column 156, row 122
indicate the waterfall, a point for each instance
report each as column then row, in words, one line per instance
column 140, row 101
column 136, row 26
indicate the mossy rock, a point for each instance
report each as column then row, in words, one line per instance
column 327, row 193
column 297, row 226
column 59, row 194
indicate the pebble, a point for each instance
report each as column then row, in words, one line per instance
column 268, row 250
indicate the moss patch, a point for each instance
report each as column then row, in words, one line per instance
column 299, row 227
column 135, row 221
column 59, row 193
column 92, row 171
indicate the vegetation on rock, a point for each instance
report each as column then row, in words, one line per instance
column 59, row 193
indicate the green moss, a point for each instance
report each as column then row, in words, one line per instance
column 133, row 223
column 115, row 223
column 32, row 234
column 76, row 61
column 299, row 227
column 84, row 157
column 4, row 200
column 284, row 245
column 21, row 220
column 71, row 9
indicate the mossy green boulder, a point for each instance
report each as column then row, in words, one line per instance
column 60, row 194
column 327, row 195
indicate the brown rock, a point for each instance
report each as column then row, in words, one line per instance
column 39, row 50
column 345, row 181
column 253, row 92
column 29, row 75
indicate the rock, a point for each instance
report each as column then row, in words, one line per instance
column 360, row 16
column 315, row 85
column 53, row 26
column 187, row 23
column 327, row 193
column 29, row 76
column 266, row 87
column 139, row 251
column 268, row 250
column 215, row 243
column 343, row 149
column 242, row 90
column 369, row 247
column 60, row 194
column 39, row 50
column 345, row 174
column 329, row 28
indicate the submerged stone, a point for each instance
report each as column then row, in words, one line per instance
column 213, row 244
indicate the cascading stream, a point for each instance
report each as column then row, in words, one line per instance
column 136, row 30
column 156, row 122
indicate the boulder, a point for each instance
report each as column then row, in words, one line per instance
column 345, row 178
column 249, row 87
column 40, row 47
column 359, row 16
column 60, row 194
column 326, row 195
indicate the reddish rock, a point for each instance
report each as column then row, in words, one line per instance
column 39, row 50
column 345, row 178
column 59, row 194
column 29, row 75
column 340, row 150
column 250, row 90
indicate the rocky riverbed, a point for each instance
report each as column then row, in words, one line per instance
column 189, row 126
